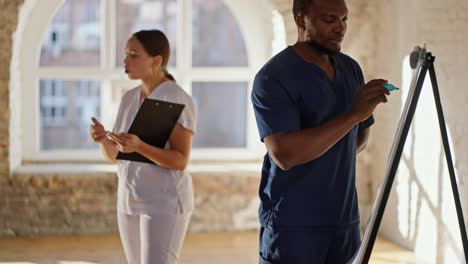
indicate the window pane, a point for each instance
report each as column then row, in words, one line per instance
column 66, row 111
column 217, row 39
column 74, row 36
column 136, row 15
column 222, row 114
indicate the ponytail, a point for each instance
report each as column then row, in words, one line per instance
column 168, row 75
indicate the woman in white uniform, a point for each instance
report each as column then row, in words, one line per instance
column 154, row 202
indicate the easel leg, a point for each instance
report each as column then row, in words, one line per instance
column 448, row 155
column 380, row 203
column 363, row 255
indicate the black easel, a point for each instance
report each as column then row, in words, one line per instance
column 420, row 59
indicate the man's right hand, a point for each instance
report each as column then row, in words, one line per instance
column 370, row 95
column 97, row 131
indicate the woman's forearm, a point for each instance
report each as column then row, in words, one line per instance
column 109, row 150
column 168, row 158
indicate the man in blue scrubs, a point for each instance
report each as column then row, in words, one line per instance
column 313, row 112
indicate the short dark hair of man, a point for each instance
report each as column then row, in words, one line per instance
column 300, row 7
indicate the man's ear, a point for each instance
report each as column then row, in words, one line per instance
column 300, row 22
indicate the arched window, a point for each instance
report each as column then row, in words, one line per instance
column 77, row 70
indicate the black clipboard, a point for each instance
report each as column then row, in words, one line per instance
column 153, row 124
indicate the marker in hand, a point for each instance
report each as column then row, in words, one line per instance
column 109, row 134
column 112, row 136
column 390, row 87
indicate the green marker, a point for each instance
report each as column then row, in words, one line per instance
column 390, row 87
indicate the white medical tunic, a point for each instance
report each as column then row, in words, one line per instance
column 145, row 188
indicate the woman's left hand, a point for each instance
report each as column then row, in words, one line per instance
column 126, row 143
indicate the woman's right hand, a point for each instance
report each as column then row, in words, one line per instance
column 97, row 131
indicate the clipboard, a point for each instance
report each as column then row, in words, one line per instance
column 153, row 124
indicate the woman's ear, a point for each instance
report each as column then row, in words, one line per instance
column 157, row 61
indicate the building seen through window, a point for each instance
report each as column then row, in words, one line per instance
column 81, row 68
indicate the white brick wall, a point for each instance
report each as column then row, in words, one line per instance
column 284, row 7
column 380, row 35
column 420, row 213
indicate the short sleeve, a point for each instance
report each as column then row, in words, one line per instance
column 360, row 76
column 119, row 117
column 117, row 120
column 367, row 123
column 188, row 117
column 275, row 110
column 170, row 91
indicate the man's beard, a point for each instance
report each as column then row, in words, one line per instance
column 316, row 46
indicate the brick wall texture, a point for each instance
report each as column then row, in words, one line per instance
column 380, row 35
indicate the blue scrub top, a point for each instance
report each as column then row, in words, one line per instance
column 290, row 94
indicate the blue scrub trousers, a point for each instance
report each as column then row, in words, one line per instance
column 294, row 246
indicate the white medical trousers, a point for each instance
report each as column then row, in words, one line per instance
column 152, row 238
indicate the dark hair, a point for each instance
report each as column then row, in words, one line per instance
column 300, row 7
column 156, row 43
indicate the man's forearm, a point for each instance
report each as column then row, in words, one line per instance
column 294, row 148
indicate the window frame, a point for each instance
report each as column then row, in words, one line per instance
column 254, row 20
